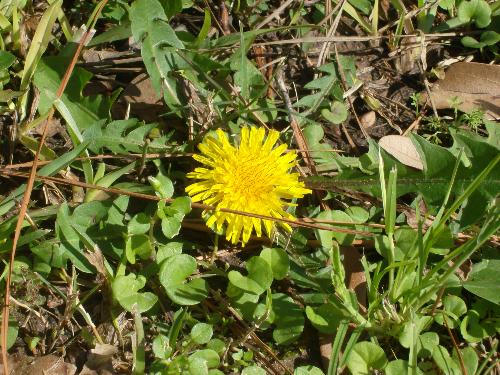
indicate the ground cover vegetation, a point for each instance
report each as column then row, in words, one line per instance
column 249, row 187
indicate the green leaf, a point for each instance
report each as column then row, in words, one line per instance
column 471, row 328
column 445, row 362
column 39, row 43
column 278, row 260
column 163, row 185
column 260, row 276
column 366, row 356
column 469, row 357
column 83, row 110
column 48, row 170
column 325, row 318
column 201, row 333
column 400, row 367
column 327, row 237
column 159, row 43
column 217, row 345
column 454, row 307
column 12, row 332
column 139, row 245
column 179, row 207
column 166, row 251
column 483, row 280
column 289, row 319
column 210, row 357
column 126, row 291
column 70, row 243
column 124, row 137
column 161, row 347
column 337, row 114
column 6, row 60
column 433, row 182
column 417, row 325
column 475, row 10
column 426, row 343
column 308, row 370
column 139, row 224
column 173, row 274
column 170, row 226
column 253, row 370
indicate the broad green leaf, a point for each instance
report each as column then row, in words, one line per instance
column 366, row 356
column 483, row 280
column 278, row 260
column 325, row 318
column 475, row 10
column 170, row 226
column 289, row 319
column 173, row 275
column 253, row 370
column 161, row 347
column 84, row 110
column 426, row 343
column 6, row 60
column 337, row 114
column 123, row 137
column 139, row 224
column 126, row 291
column 150, row 27
column 201, row 333
column 445, row 361
column 210, row 357
column 137, row 245
column 260, row 276
column 433, row 182
column 166, row 251
column 163, row 185
column 469, row 357
column 400, row 367
column 308, row 370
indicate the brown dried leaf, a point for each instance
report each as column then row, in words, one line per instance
column 475, row 85
column 403, row 149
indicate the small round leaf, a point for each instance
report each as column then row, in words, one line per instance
column 366, row 356
column 173, row 274
column 201, row 333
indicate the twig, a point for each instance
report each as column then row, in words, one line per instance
column 297, row 132
column 274, row 14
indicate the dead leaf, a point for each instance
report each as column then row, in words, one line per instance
column 368, row 119
column 99, row 360
column 472, row 85
column 403, row 149
column 144, row 102
column 46, row 365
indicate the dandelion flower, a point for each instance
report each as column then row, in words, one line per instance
column 253, row 176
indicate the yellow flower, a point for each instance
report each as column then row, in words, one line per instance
column 252, row 177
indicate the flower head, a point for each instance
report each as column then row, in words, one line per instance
column 253, row 177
